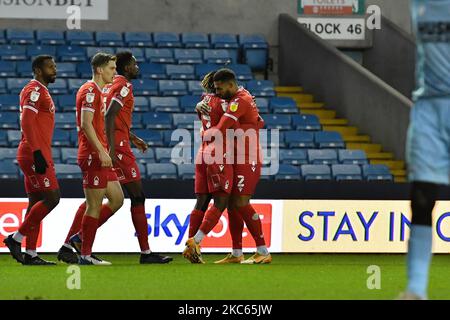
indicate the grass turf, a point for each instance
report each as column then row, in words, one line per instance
column 290, row 276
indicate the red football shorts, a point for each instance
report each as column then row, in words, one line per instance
column 125, row 165
column 94, row 175
column 245, row 178
column 38, row 182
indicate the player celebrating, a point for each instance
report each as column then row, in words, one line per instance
column 99, row 178
column 428, row 135
column 37, row 119
column 241, row 110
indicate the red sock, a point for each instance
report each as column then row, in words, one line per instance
column 105, row 214
column 32, row 238
column 32, row 220
column 89, row 229
column 195, row 220
column 76, row 224
column 253, row 223
column 212, row 217
column 141, row 226
column 236, row 228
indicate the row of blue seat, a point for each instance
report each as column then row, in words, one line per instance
column 187, row 171
column 11, row 53
column 138, row 39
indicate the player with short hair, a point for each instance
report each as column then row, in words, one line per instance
column 242, row 112
column 428, row 140
column 34, row 155
column 99, row 177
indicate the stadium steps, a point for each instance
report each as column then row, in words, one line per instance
column 321, row 113
column 281, row 90
column 333, row 122
column 367, row 147
column 343, row 130
column 380, row 156
column 392, row 164
column 310, row 105
column 356, row 138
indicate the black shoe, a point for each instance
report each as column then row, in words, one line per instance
column 36, row 261
column 14, row 248
column 76, row 243
column 67, row 255
column 154, row 258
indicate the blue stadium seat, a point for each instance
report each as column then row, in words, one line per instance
column 2, row 37
column 67, row 102
column 109, row 39
column 61, row 138
column 216, row 56
column 164, row 55
column 80, row 38
column 167, row 40
column 9, row 102
column 136, row 121
column 352, row 157
column 142, row 169
column 263, row 105
column 12, row 53
column 377, row 172
column 147, row 157
column 228, row 42
column 306, row 122
column 2, row 86
column 323, row 156
column 67, row 70
column 172, row 88
column 65, row 121
column 163, row 155
column 255, row 50
column 328, row 139
column 277, row 121
column 9, row 120
column 195, row 40
column 293, row 156
column 74, row 138
column 161, row 171
column 8, row 170
column 195, row 87
column 203, row 69
column 138, row 53
column 299, row 139
column 186, row 171
column 184, row 120
column 74, row 85
column 8, row 153
column 141, row 104
column 56, row 155
column 84, row 70
column 71, row 53
column 92, row 51
column 155, row 71
column 50, row 37
column 34, row 50
column 138, row 39
column 15, row 85
column 152, row 137
column 14, row 137
column 283, row 105
column 145, row 87
column 188, row 56
column 7, row 69
column 58, row 87
column 20, row 36
column 180, row 72
column 3, row 140
column 69, row 155
column 164, row 104
column 346, row 172
column 271, row 140
column 188, row 103
column 316, row 172
column 261, row 88
column 288, row 172
column 67, row 171
column 157, row 121
column 243, row 71
column 23, row 69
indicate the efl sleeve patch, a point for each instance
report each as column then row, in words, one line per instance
column 124, row 92
column 34, row 96
column 90, row 97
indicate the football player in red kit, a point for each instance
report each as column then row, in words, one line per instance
column 34, row 155
column 99, row 177
column 241, row 110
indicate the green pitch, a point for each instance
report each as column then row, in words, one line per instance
column 290, row 276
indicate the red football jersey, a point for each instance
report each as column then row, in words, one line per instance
column 37, row 121
column 121, row 91
column 90, row 98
